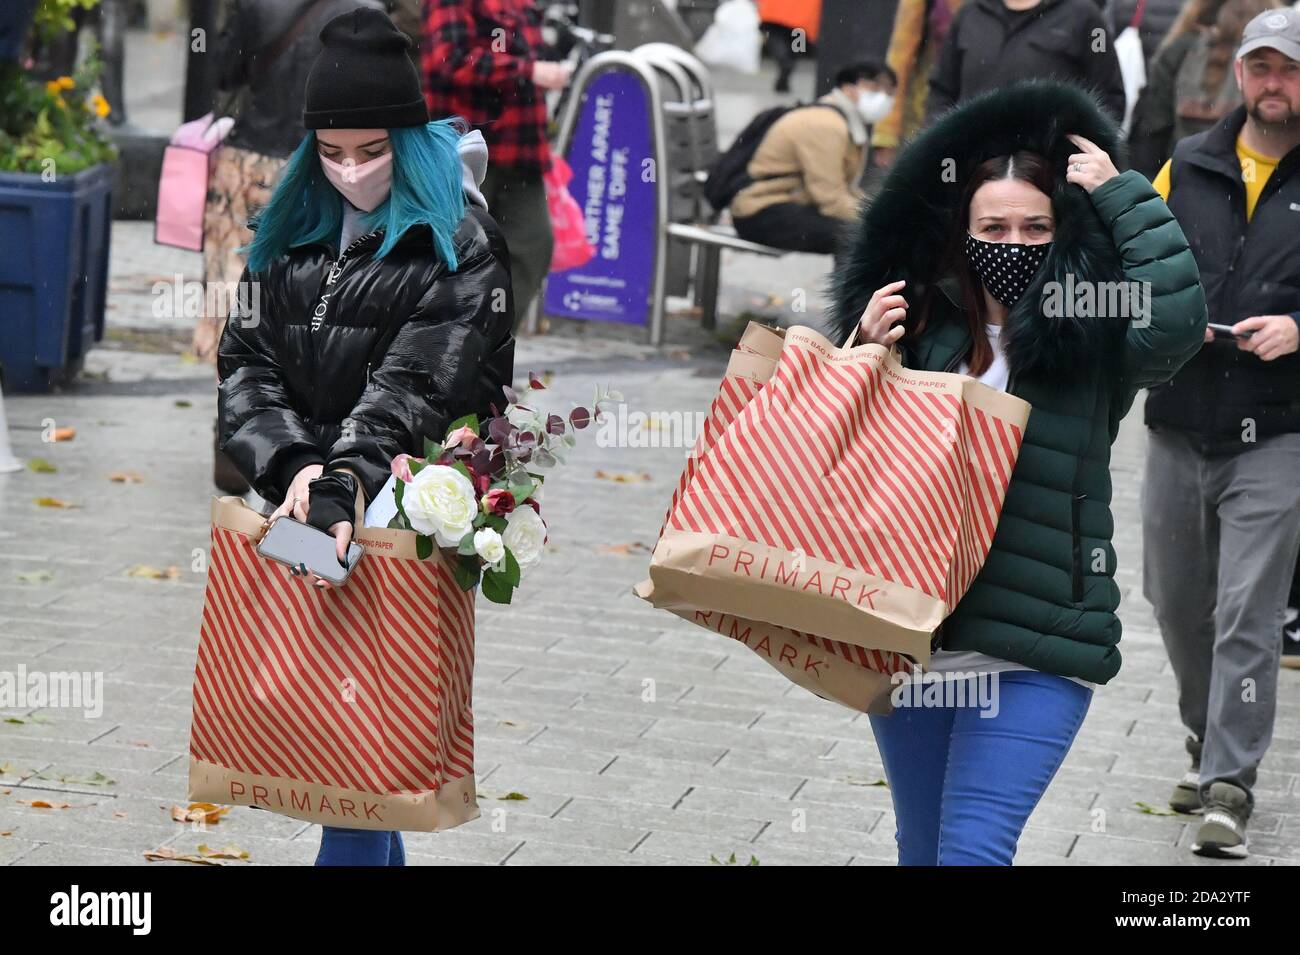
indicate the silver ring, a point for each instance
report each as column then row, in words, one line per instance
column 1078, row 167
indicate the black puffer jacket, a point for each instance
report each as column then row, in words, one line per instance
column 402, row 348
column 989, row 47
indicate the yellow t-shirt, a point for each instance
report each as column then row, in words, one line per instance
column 1255, row 170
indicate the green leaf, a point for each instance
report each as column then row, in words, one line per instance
column 512, row 569
column 40, row 466
column 496, row 522
column 460, row 466
column 466, row 545
column 423, row 547
column 398, row 488
column 466, row 571
column 496, row 588
column 522, row 491
column 431, row 450
column 1150, row 810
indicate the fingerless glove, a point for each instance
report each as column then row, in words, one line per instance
column 331, row 498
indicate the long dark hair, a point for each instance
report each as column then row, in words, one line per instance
column 1028, row 167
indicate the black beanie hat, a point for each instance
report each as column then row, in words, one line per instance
column 363, row 77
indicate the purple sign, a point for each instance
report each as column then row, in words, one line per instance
column 612, row 157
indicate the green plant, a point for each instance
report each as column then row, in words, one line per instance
column 52, row 128
column 55, row 16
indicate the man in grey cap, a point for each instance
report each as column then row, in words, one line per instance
column 1221, row 497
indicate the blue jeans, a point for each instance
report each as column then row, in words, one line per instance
column 360, row 847
column 963, row 785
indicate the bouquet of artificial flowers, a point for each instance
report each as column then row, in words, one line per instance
column 475, row 495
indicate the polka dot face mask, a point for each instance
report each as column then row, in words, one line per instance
column 1005, row 268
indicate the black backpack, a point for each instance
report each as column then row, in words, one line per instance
column 727, row 175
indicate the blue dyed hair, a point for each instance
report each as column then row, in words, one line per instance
column 305, row 207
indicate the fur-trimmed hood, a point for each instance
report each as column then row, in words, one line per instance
column 902, row 231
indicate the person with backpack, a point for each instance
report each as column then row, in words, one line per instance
column 792, row 175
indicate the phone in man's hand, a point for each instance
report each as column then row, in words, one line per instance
column 1225, row 332
column 292, row 542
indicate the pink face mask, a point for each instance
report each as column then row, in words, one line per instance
column 365, row 186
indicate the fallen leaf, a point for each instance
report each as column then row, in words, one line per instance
column 184, row 403
column 44, row 804
column 168, row 854
column 126, row 477
column 144, row 570
column 32, row 718
column 229, row 852
column 7, row 832
column 622, row 477
column 205, row 812
column 189, row 358
column 141, row 742
column 513, row 796
column 1150, row 810
column 40, row 466
column 95, row 779
column 35, row 576
column 852, row 781
column 119, row 814
column 53, row 502
column 63, row 434
column 633, row 547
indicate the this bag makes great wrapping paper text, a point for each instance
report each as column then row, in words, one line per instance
column 348, row 706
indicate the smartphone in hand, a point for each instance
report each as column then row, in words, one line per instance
column 292, row 542
column 1225, row 332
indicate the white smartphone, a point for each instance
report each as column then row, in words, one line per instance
column 294, row 543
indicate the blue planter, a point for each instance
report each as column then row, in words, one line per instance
column 53, row 274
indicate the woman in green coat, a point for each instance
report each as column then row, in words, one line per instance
column 1005, row 245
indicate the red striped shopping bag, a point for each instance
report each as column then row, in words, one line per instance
column 845, row 673
column 850, row 497
column 348, row 706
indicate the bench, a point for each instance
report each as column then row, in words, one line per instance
column 709, row 241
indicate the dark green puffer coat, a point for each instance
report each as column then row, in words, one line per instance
column 1046, row 596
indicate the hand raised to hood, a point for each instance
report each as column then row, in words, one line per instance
column 1091, row 166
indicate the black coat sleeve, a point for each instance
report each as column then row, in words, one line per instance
column 448, row 359
column 232, row 58
column 945, row 76
column 259, row 427
column 1103, row 73
column 1151, row 138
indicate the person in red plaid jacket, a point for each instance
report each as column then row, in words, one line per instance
column 481, row 62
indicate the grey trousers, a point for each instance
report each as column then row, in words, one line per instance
column 518, row 204
column 1220, row 536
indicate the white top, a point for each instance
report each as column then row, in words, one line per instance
column 959, row 663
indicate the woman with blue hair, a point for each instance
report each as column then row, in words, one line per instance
column 375, row 309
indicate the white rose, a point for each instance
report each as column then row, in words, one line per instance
column 489, row 546
column 441, row 501
column 524, row 535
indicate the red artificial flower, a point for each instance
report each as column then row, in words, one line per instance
column 499, row 501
